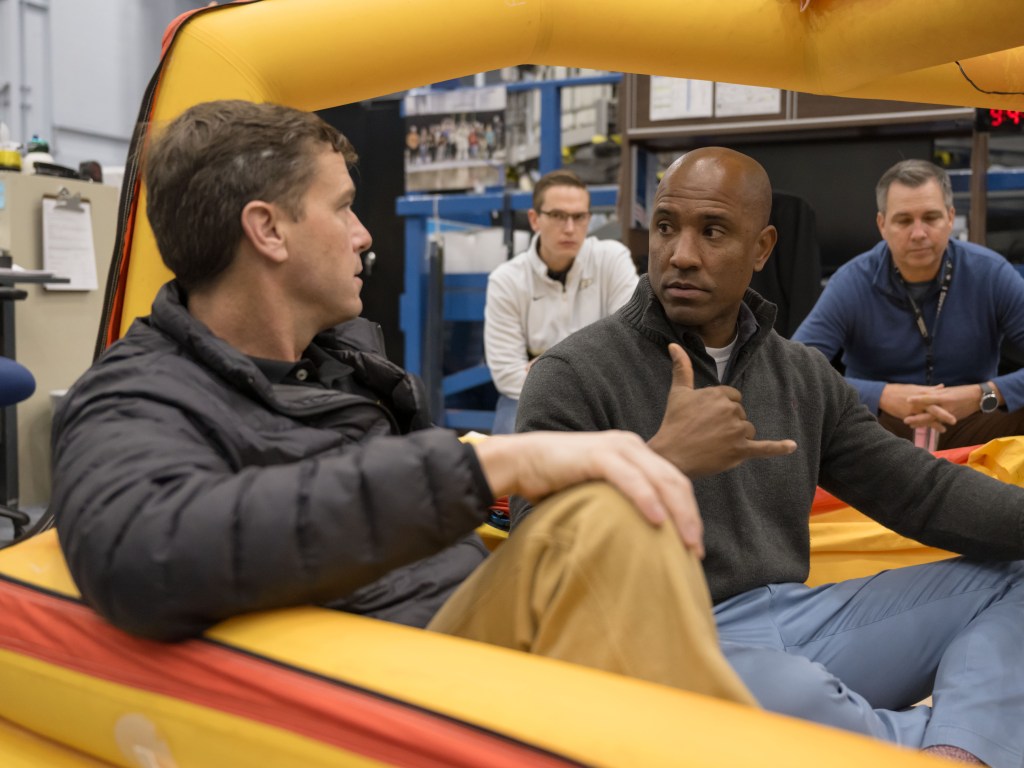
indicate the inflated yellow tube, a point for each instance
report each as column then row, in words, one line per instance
column 314, row 54
column 831, row 47
column 995, row 72
column 69, row 677
column 318, row 53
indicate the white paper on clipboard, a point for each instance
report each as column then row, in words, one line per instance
column 68, row 248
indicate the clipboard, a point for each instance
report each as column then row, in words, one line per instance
column 68, row 246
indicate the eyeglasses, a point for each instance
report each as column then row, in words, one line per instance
column 561, row 216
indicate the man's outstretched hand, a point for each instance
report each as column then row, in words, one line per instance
column 706, row 431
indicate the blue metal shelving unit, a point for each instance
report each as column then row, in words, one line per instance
column 999, row 180
column 1005, row 199
column 432, row 297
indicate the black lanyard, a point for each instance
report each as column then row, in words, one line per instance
column 947, row 278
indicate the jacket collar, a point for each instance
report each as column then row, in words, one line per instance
column 644, row 312
column 883, row 271
column 579, row 264
column 357, row 343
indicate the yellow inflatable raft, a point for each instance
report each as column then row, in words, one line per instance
column 312, row 687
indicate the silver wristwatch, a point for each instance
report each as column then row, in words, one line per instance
column 989, row 398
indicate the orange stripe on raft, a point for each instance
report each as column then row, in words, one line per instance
column 113, row 330
column 180, row 19
column 68, row 634
column 826, row 502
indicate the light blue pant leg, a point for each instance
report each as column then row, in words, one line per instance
column 979, row 686
column 856, row 654
column 793, row 685
column 505, row 416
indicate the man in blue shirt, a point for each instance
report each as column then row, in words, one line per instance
column 920, row 318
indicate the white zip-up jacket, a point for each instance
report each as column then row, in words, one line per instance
column 527, row 312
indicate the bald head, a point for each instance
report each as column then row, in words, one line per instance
column 741, row 176
column 709, row 234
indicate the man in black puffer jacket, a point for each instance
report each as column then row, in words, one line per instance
column 247, row 446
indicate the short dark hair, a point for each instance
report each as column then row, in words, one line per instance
column 208, row 163
column 559, row 178
column 913, row 173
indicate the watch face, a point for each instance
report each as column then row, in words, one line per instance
column 989, row 402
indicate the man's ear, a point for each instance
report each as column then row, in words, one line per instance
column 765, row 243
column 880, row 221
column 534, row 222
column 261, row 226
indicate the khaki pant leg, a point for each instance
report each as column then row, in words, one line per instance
column 586, row 579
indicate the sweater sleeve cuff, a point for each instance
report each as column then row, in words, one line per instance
column 1011, row 387
column 870, row 392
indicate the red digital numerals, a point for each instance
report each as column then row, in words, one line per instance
column 1000, row 116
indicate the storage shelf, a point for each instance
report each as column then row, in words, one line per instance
column 433, row 297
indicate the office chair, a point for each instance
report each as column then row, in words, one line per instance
column 792, row 277
column 16, row 384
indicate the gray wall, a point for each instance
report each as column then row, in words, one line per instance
column 74, row 71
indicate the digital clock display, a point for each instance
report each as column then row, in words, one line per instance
column 1001, row 120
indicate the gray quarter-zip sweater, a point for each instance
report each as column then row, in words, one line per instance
column 616, row 373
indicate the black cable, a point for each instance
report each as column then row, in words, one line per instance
column 982, row 90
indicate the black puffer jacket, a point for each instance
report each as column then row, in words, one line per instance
column 188, row 489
